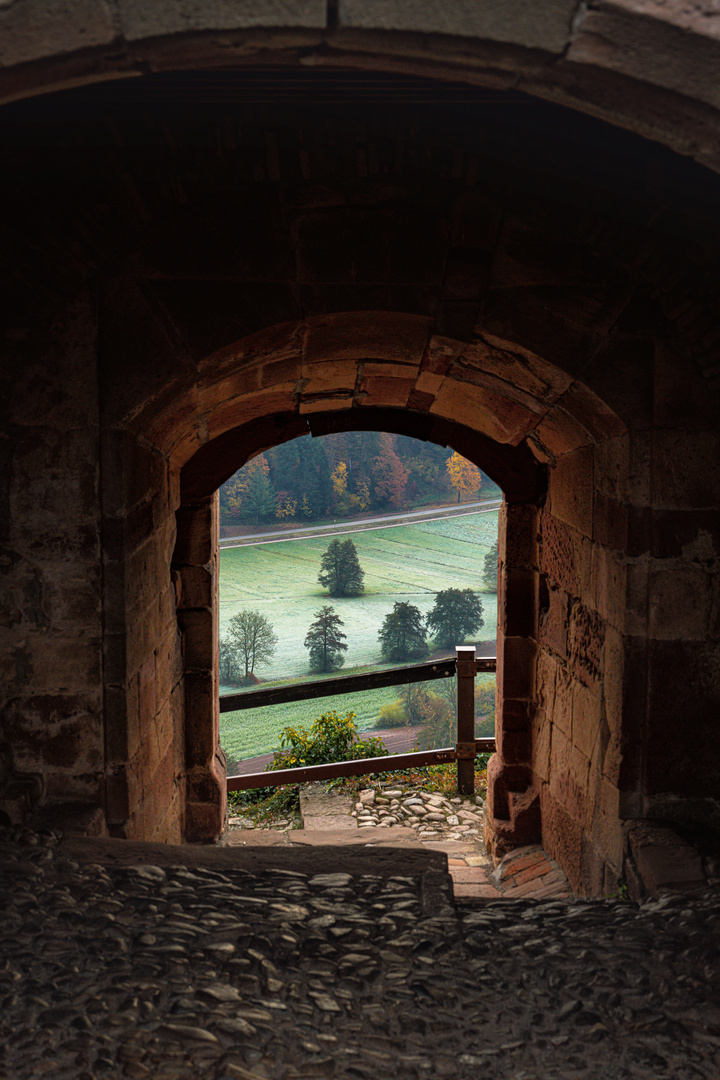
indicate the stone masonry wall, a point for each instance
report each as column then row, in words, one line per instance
column 143, row 661
column 627, row 677
column 51, row 701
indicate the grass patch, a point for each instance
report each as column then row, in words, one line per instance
column 409, row 563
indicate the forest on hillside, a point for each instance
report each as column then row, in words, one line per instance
column 346, row 475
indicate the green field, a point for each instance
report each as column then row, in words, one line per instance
column 408, row 562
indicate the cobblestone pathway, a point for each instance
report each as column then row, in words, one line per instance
column 416, row 818
column 221, row 963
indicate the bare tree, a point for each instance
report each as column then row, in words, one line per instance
column 252, row 634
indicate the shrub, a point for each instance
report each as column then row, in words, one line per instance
column 392, row 715
column 330, row 738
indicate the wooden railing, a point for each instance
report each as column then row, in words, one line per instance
column 464, row 666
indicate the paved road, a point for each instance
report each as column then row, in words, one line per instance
column 383, row 521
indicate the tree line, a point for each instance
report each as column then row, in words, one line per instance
column 345, row 474
column 404, row 634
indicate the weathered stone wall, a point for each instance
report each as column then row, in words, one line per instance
column 142, row 646
column 541, row 297
column 628, row 681
column 51, row 690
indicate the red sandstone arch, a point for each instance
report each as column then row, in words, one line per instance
column 584, row 337
column 380, row 369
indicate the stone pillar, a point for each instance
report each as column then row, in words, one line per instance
column 195, row 567
column 512, row 810
column 143, row 678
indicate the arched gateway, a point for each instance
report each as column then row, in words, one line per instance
column 201, row 266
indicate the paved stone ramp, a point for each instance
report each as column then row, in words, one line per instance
column 525, row 872
column 148, row 961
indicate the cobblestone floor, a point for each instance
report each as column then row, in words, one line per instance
column 252, row 964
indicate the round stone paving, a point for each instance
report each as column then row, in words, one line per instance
column 196, row 965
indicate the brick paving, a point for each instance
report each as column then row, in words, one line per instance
column 527, row 872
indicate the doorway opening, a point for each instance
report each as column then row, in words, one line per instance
column 419, row 523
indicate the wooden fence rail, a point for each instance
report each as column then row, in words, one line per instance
column 464, row 666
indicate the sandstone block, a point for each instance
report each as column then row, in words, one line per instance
column 684, row 694
column 571, row 490
column 608, row 585
column 681, row 478
column 366, row 334
column 566, row 556
column 197, row 633
column 611, row 467
column 494, row 414
column 195, row 529
column 516, row 664
column 679, row 598
column 517, row 601
column 562, row 837
column 585, row 718
column 517, row 21
column 553, row 623
column 558, row 433
column 116, row 730
column 514, row 747
column 200, row 707
column 585, row 641
column 541, row 745
column 140, row 20
column 545, row 676
column 646, row 43
column 34, row 29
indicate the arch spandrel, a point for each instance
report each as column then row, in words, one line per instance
column 270, row 390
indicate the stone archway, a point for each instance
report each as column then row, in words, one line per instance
column 376, row 394
column 550, row 287
column 195, row 568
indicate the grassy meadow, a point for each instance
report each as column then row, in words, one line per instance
column 279, row 579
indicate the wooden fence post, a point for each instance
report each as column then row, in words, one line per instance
column 465, row 746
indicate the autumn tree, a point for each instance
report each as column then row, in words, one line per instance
column 402, row 634
column 285, row 506
column 252, row 636
column 490, row 568
column 456, row 614
column 389, row 475
column 326, row 641
column 464, row 477
column 438, row 718
column 485, row 706
column 340, row 570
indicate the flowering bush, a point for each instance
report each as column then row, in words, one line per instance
column 330, row 738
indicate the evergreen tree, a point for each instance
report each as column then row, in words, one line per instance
column 457, row 613
column 402, row 634
column 340, row 570
column 258, row 502
column 326, row 641
column 252, row 637
column 490, row 570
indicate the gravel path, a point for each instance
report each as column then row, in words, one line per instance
column 214, row 970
